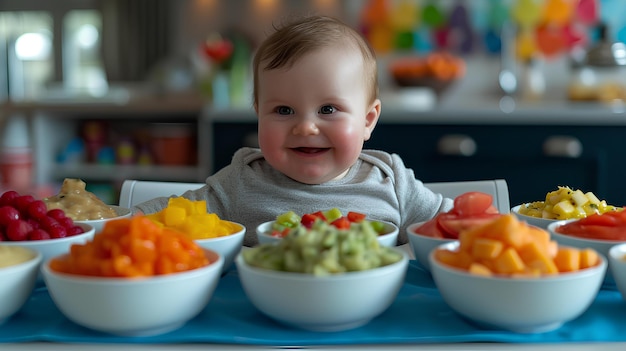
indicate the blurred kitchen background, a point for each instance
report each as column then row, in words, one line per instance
column 531, row 91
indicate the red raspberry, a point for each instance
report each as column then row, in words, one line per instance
column 66, row 222
column 8, row 214
column 56, row 213
column 57, row 232
column 38, row 234
column 7, row 198
column 75, row 230
column 18, row 230
column 37, row 209
column 21, row 203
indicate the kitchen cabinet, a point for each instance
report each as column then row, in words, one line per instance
column 534, row 148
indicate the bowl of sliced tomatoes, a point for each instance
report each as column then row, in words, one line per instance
column 470, row 209
column 600, row 231
column 273, row 231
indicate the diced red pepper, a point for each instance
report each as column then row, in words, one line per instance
column 308, row 220
column 319, row 214
column 355, row 217
column 342, row 223
column 280, row 234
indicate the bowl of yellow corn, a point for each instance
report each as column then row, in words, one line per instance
column 561, row 204
column 207, row 229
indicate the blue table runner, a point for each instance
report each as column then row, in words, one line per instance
column 418, row 315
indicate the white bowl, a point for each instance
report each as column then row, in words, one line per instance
column 98, row 224
column 536, row 221
column 389, row 238
column 323, row 303
column 55, row 247
column 422, row 245
column 617, row 262
column 602, row 246
column 522, row 305
column 227, row 246
column 134, row 307
column 16, row 285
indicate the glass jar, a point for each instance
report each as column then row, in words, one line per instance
column 602, row 74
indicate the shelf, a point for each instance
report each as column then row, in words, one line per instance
column 96, row 172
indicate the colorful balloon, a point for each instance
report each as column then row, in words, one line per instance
column 587, row 11
column 558, row 12
column 526, row 13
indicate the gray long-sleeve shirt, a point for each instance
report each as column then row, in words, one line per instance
column 249, row 191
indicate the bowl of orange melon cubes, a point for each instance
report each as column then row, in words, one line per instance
column 207, row 229
column 510, row 275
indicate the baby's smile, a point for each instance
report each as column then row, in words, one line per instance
column 310, row 150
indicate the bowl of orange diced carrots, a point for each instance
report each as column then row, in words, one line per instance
column 436, row 70
column 127, row 280
column 512, row 276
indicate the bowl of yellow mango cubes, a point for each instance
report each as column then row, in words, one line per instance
column 561, row 204
column 207, row 229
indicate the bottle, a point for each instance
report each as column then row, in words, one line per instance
column 16, row 156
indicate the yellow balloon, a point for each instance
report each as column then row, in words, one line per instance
column 526, row 12
column 525, row 45
column 405, row 15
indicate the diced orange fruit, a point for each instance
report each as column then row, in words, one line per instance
column 567, row 259
column 510, row 247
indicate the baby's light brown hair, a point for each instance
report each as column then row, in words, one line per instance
column 303, row 35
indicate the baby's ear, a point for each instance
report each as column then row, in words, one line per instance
column 371, row 118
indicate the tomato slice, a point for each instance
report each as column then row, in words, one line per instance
column 605, row 219
column 452, row 226
column 472, row 203
column 431, row 229
column 597, row 232
column 355, row 217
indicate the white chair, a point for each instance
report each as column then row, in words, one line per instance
column 137, row 191
column 497, row 188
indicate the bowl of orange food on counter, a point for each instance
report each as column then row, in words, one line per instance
column 562, row 204
column 510, row 275
column 127, row 280
column 207, row 229
column 83, row 206
column 273, row 231
column 470, row 209
column 436, row 70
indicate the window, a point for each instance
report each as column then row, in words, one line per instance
column 26, row 54
column 82, row 64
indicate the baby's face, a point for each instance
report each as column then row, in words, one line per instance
column 314, row 116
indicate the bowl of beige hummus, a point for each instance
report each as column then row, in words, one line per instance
column 83, row 206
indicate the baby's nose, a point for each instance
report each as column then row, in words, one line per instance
column 306, row 127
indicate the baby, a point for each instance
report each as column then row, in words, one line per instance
column 316, row 99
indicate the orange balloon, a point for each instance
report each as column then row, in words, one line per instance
column 550, row 40
column 558, row 12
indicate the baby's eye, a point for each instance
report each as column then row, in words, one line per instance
column 284, row 110
column 327, row 110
